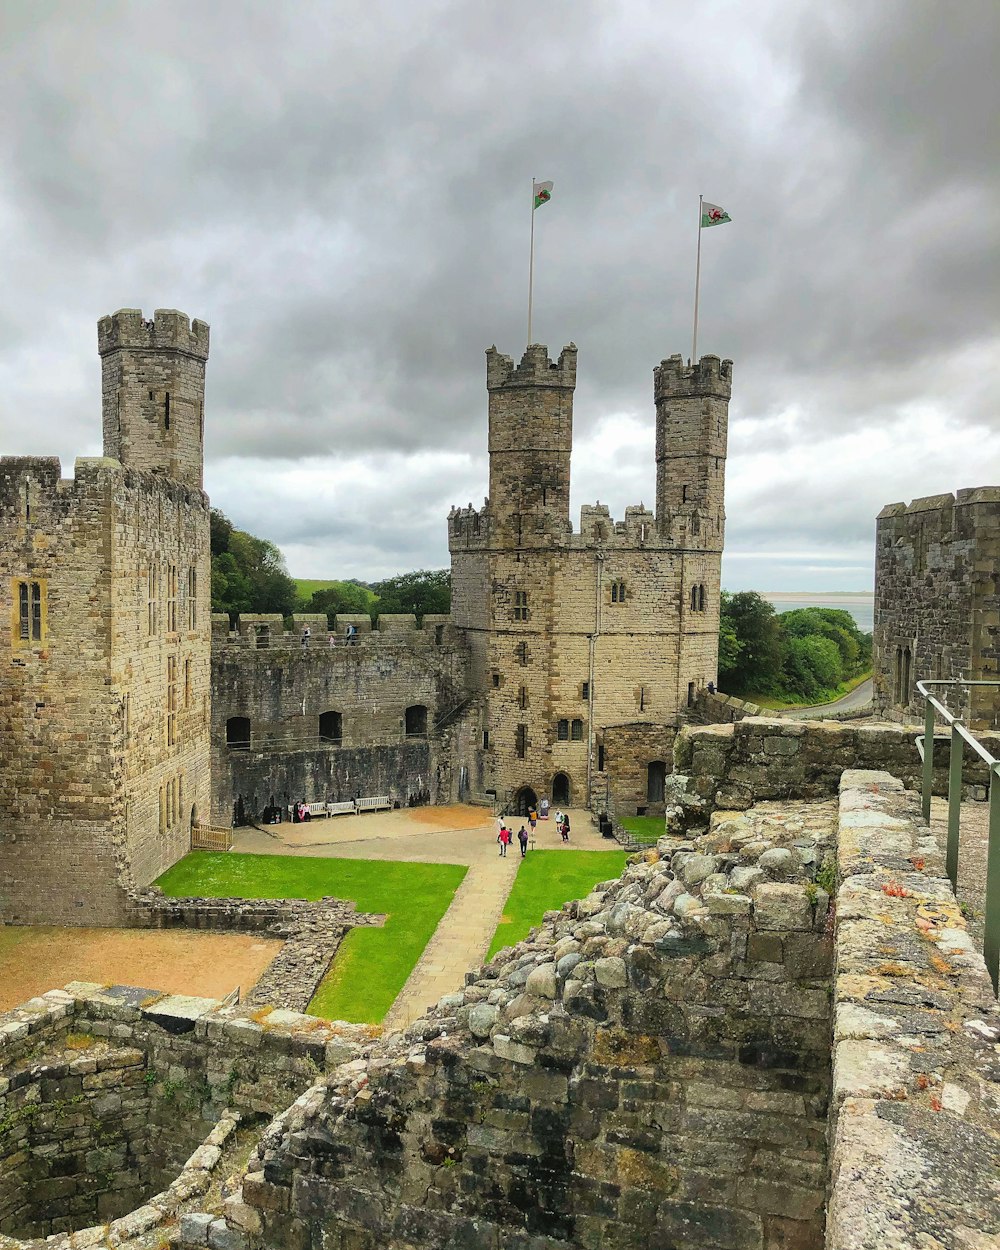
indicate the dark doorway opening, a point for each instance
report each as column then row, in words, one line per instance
column 656, row 775
column 524, row 801
column 560, row 788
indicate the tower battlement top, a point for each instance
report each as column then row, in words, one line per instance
column 709, row 376
column 535, row 368
column 169, row 330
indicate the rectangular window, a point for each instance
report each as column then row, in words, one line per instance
column 577, row 730
column 171, row 598
column 152, row 607
column 192, row 599
column 690, row 694
column 585, row 690
column 521, row 741
column 187, row 683
column 31, row 607
column 486, row 739
column 642, row 698
column 163, row 809
column 562, row 730
column 600, row 758
column 522, row 653
column 520, row 605
column 171, row 700
column 522, row 697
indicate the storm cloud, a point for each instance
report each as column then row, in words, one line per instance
column 341, row 190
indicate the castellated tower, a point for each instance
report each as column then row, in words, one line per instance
column 588, row 646
column 105, row 622
column 153, row 391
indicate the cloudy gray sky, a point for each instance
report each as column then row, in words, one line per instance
column 341, row 190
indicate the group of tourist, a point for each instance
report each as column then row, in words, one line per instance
column 505, row 837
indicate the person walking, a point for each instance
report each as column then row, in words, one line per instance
column 504, row 838
column 305, row 636
column 522, row 837
column 564, row 827
column 532, row 818
column 558, row 817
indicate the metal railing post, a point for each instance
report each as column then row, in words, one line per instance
column 954, row 804
column 991, row 936
column 928, row 779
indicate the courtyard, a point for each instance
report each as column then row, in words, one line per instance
column 435, row 872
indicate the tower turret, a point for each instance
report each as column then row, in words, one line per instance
column 153, row 391
column 530, row 441
column 692, row 421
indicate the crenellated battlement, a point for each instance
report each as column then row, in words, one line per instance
column 710, row 376
column 266, row 631
column 535, row 368
column 169, row 330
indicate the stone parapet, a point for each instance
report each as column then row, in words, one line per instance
column 915, row 1143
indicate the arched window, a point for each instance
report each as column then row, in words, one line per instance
column 562, row 730
column 618, row 592
column 656, row 772
column 576, row 730
column 331, row 727
column 694, row 598
column 238, row 733
column 416, row 720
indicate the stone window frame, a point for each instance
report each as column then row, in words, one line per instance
column 562, row 730
column 187, row 684
column 333, row 722
column 521, row 610
column 192, row 599
column 618, row 591
column 171, row 719
column 698, row 597
column 522, row 653
column 585, row 691
column 576, row 729
column 522, row 697
column 521, row 741
column 29, row 612
column 152, row 601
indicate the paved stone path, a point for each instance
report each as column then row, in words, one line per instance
column 457, row 834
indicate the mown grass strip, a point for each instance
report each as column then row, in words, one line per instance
column 547, row 879
column 372, row 965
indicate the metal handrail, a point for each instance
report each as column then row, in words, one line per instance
column 960, row 736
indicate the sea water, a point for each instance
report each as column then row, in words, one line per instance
column 861, row 607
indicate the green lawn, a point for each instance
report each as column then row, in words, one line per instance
column 644, row 828
column 372, row 965
column 546, row 880
column 307, row 586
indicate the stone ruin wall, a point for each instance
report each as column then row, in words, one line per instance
column 271, row 677
column 118, row 1104
column 937, row 602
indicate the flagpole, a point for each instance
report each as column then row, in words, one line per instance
column 531, row 257
column 697, row 284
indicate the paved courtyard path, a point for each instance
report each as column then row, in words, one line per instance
column 457, row 834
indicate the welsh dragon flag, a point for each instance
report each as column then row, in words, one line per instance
column 542, row 192
column 713, row 215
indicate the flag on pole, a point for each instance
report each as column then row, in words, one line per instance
column 711, row 215
column 542, row 192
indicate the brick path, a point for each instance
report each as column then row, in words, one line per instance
column 433, row 835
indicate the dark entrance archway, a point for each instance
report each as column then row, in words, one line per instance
column 560, row 789
column 524, row 801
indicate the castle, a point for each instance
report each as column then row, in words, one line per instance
column 104, row 698
column 129, row 715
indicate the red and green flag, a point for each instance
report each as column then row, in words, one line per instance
column 713, row 215
column 542, row 192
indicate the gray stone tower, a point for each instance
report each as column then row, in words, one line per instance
column 692, row 418
column 530, row 441
column 153, row 391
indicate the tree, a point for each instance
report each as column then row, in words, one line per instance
column 248, row 573
column 423, row 591
column 756, row 666
column 812, row 666
column 350, row 597
column 839, row 627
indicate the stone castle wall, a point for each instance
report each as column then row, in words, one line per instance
column 283, row 688
column 937, row 603
column 104, row 698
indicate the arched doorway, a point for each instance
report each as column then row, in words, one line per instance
column 560, row 789
column 524, row 801
column 656, row 773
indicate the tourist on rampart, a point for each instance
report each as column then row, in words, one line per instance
column 504, row 838
column 305, row 635
column 522, row 837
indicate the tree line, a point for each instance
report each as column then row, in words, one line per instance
column 249, row 575
column 806, row 654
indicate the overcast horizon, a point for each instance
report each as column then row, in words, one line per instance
column 342, row 191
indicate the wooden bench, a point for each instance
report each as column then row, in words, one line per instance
column 372, row 804
column 341, row 809
column 314, row 810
